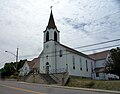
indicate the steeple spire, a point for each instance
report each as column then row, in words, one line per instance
column 51, row 23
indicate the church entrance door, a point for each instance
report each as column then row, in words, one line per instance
column 47, row 68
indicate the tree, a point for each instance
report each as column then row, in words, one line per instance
column 10, row 68
column 113, row 62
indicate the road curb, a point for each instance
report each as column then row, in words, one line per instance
column 76, row 88
column 88, row 89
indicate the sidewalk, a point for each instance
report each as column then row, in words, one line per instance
column 87, row 89
column 76, row 88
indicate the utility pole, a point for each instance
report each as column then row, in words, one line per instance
column 16, row 56
column 16, row 59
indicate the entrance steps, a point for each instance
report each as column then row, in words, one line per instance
column 55, row 78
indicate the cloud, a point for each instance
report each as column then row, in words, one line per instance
column 80, row 22
column 56, row 1
column 74, row 24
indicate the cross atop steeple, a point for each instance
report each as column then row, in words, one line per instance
column 51, row 23
column 51, row 7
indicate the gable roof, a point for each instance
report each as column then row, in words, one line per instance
column 99, row 55
column 30, row 64
column 75, row 51
column 40, row 54
column 36, row 62
column 99, row 70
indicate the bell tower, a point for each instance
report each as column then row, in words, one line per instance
column 51, row 33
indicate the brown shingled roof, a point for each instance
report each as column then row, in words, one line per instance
column 36, row 62
column 99, row 55
column 99, row 70
column 30, row 64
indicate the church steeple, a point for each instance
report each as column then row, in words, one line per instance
column 51, row 23
column 51, row 33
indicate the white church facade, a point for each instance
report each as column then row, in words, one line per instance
column 58, row 58
column 57, row 62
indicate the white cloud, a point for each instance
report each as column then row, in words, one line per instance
column 80, row 22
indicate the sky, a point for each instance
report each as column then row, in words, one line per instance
column 80, row 22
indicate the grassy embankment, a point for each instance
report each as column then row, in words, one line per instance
column 96, row 84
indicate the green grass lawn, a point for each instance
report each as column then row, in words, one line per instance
column 96, row 84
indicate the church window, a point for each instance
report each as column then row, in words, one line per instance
column 47, row 64
column 47, row 57
column 60, row 53
column 86, row 65
column 47, row 36
column 97, row 74
column 73, row 62
column 91, row 67
column 43, row 67
column 80, row 64
column 55, row 36
column 26, row 68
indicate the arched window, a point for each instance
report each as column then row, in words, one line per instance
column 73, row 62
column 47, row 36
column 47, row 68
column 60, row 53
column 86, row 65
column 80, row 64
column 55, row 36
column 47, row 63
column 91, row 67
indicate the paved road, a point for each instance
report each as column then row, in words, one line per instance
column 14, row 87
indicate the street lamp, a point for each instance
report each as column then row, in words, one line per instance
column 16, row 56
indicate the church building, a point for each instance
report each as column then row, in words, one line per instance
column 58, row 58
column 57, row 62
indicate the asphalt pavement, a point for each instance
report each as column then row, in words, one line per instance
column 14, row 87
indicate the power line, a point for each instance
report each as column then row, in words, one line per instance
column 91, row 44
column 85, row 50
column 88, row 45
column 97, row 43
column 28, row 55
column 44, row 56
column 81, row 47
column 100, row 48
column 6, row 60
